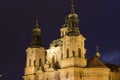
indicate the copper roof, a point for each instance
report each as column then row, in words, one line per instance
column 95, row 62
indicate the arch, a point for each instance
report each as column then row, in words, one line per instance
column 79, row 52
column 67, row 53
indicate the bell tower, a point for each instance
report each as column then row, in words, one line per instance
column 73, row 28
column 35, row 54
column 73, row 43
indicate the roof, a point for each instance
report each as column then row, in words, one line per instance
column 56, row 43
column 95, row 62
column 113, row 67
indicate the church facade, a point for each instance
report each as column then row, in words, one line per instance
column 66, row 57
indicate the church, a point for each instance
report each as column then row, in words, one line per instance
column 65, row 59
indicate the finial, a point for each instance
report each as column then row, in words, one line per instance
column 97, row 51
column 72, row 3
column 37, row 25
column 37, row 21
column 72, row 6
column 97, row 47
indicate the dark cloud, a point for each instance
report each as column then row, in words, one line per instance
column 111, row 57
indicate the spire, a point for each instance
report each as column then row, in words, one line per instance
column 72, row 7
column 73, row 21
column 97, row 47
column 36, row 35
column 37, row 24
column 97, row 51
column 66, row 22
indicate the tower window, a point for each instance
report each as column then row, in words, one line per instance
column 67, row 53
column 73, row 53
column 30, row 62
column 62, row 33
column 76, row 24
column 67, row 75
column 40, row 62
column 61, row 56
column 65, row 32
column 79, row 52
column 53, row 59
column 34, row 63
column 73, row 24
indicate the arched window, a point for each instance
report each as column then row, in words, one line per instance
column 77, row 24
column 61, row 56
column 30, row 62
column 67, row 53
column 73, row 24
column 62, row 33
column 53, row 59
column 45, row 56
column 34, row 63
column 65, row 32
column 79, row 52
column 73, row 53
column 40, row 62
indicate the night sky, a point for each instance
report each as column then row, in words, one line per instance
column 99, row 23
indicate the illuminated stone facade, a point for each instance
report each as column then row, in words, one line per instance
column 66, row 57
